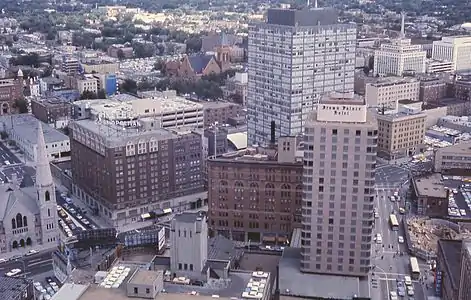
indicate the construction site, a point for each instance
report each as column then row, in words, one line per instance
column 424, row 233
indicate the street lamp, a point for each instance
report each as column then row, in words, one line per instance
column 24, row 266
column 386, row 275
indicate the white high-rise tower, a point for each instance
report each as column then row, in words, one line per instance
column 293, row 59
column 46, row 193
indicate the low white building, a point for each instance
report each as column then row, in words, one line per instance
column 23, row 128
column 390, row 90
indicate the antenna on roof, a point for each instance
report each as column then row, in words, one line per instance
column 403, row 35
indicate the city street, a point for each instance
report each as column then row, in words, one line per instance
column 34, row 264
column 6, row 155
column 390, row 176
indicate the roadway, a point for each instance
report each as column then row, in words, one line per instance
column 30, row 265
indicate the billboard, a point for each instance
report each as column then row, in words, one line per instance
column 161, row 237
column 96, row 237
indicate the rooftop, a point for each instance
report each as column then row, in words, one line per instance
column 217, row 104
column 70, row 291
column 430, row 186
column 116, row 133
column 11, row 288
column 304, row 285
column 52, row 101
column 189, row 217
column 401, row 116
column 457, row 149
column 25, row 126
column 451, row 250
column 390, row 81
column 145, row 277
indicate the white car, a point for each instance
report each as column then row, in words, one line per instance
column 393, row 199
column 31, row 252
column 379, row 238
column 407, row 280
column 13, row 272
column 400, row 239
column 2, row 260
column 392, row 295
column 410, row 291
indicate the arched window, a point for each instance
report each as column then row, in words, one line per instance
column 13, row 223
column 254, row 188
column 14, row 245
column 47, row 196
column 285, row 191
column 19, row 220
column 223, row 187
column 269, row 189
column 25, row 221
column 28, row 242
column 22, row 243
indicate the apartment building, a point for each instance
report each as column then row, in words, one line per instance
column 236, row 88
column 86, row 82
column 463, row 88
column 10, row 90
column 454, row 49
column 399, row 56
column 221, row 112
column 432, row 90
column 340, row 142
column 99, row 66
column 70, row 65
column 53, row 111
column 125, row 171
column 386, row 93
column 296, row 44
column 455, row 159
column 255, row 194
column 400, row 135
column 448, row 269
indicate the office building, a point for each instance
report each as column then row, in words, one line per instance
column 432, row 90
column 294, row 58
column 386, row 93
column 400, row 135
column 70, row 65
column 439, row 66
column 255, row 194
column 399, row 56
column 54, row 111
column 340, row 142
column 448, row 269
column 455, row 49
column 16, row 288
column 189, row 243
column 455, row 159
column 124, row 171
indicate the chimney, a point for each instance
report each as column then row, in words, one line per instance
column 272, row 132
column 277, row 283
column 403, row 32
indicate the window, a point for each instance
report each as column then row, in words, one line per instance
column 185, row 266
column 48, row 212
column 191, row 267
column 47, row 196
column 135, row 290
column 147, row 291
column 179, row 266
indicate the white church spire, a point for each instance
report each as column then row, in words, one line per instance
column 43, row 170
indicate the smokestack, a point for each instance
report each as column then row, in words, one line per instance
column 273, row 138
column 315, row 4
column 277, row 283
column 403, row 34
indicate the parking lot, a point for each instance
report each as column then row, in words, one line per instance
column 46, row 288
column 459, row 199
column 7, row 157
column 22, row 172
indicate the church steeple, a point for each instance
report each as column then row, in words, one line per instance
column 43, row 170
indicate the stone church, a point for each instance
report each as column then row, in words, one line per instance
column 28, row 215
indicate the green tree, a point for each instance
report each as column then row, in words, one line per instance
column 128, row 86
column 88, row 95
column 101, row 94
column 21, row 105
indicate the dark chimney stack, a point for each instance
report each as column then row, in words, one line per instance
column 277, row 283
column 273, row 138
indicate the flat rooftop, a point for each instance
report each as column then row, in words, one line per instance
column 11, row 288
column 430, row 186
column 383, row 82
column 217, row 104
column 70, row 291
column 293, row 283
column 114, row 132
column 189, row 217
column 457, row 149
column 145, row 277
column 401, row 116
column 94, row 293
column 26, row 127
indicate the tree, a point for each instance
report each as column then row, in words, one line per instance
column 144, row 50
column 88, row 95
column 120, row 54
column 21, row 105
column 128, row 86
column 101, row 94
column 193, row 44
